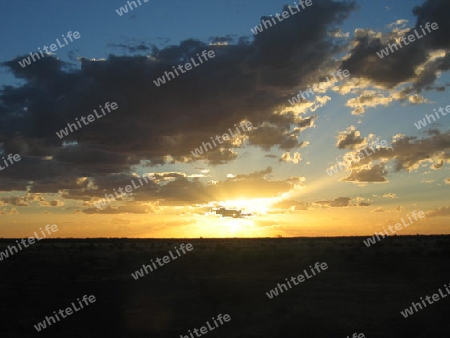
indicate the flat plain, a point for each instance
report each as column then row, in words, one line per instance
column 363, row 290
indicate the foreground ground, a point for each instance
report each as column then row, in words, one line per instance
column 363, row 290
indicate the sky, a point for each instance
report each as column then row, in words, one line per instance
column 280, row 174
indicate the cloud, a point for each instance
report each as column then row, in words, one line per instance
column 340, row 202
column 246, row 81
column 374, row 174
column 256, row 174
column 350, row 138
column 130, row 208
column 337, row 202
column 54, row 203
column 16, row 201
column 277, row 132
column 338, row 33
column 163, row 124
column 428, row 181
column 443, row 211
column 182, row 116
column 220, row 156
column 253, row 185
column 12, row 211
column 417, row 64
column 407, row 152
column 417, row 99
column 133, row 46
column 176, row 188
column 400, row 66
column 293, row 205
column 368, row 98
column 362, row 202
column 7, row 185
column 286, row 157
column 389, row 195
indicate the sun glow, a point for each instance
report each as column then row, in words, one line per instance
column 254, row 205
column 212, row 225
column 236, row 217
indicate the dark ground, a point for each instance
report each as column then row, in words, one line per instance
column 363, row 290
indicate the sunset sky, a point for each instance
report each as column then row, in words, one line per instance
column 275, row 173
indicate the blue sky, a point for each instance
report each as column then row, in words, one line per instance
column 155, row 21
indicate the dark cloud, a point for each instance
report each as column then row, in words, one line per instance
column 351, row 138
column 283, row 57
column 435, row 11
column 256, row 174
column 374, row 174
column 58, row 183
column 12, row 211
column 222, row 40
column 220, row 156
column 337, row 202
column 400, row 66
column 246, row 80
column 133, row 46
column 7, row 184
column 443, row 211
column 14, row 200
column 409, row 153
column 127, row 209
